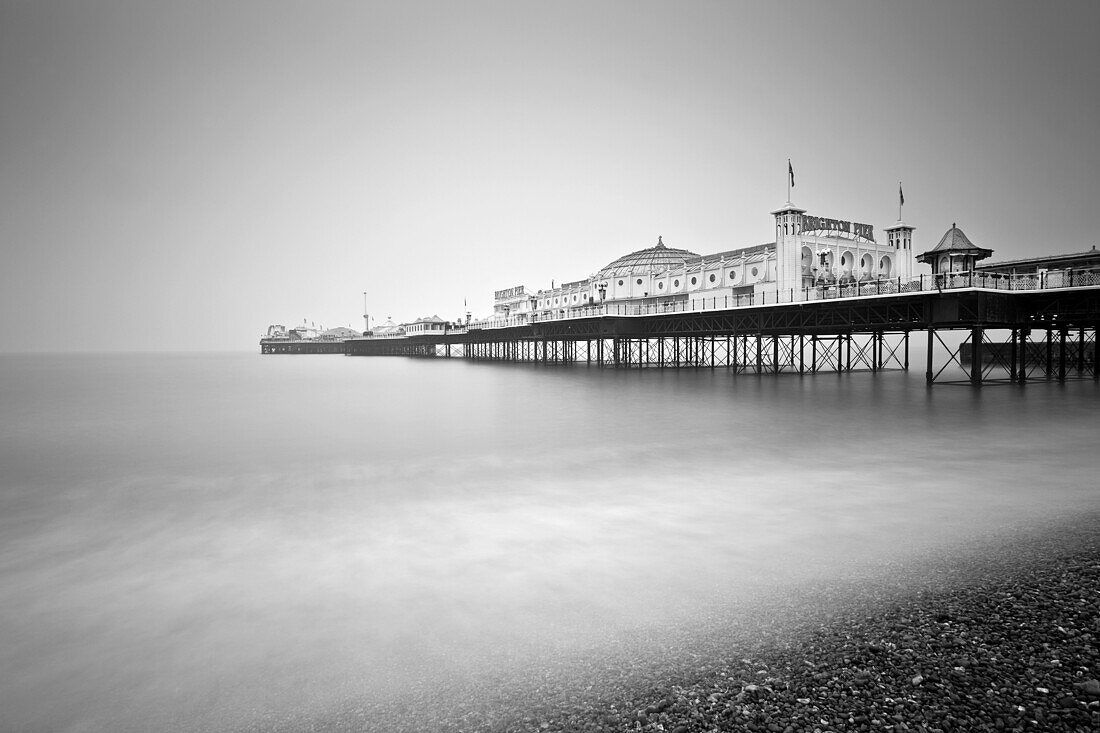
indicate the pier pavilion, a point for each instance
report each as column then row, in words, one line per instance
column 808, row 251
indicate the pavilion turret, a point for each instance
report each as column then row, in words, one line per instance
column 954, row 253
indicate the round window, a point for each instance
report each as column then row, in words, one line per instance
column 574, row 299
column 639, row 281
column 660, row 286
column 694, row 281
column 555, row 301
column 620, row 282
column 755, row 272
column 675, row 283
column 712, row 278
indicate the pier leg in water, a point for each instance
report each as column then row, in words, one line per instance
column 976, row 357
column 1061, row 354
column 1012, row 376
column 928, row 372
column 1022, row 374
column 1050, row 353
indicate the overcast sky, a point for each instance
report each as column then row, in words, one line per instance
column 179, row 175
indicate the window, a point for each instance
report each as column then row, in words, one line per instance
column 712, row 278
column 675, row 283
column 755, row 272
column 660, row 286
column 620, row 282
column 639, row 281
column 694, row 281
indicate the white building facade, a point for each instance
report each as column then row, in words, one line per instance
column 808, row 252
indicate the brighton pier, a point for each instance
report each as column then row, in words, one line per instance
column 825, row 296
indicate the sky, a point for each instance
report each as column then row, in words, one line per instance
column 178, row 176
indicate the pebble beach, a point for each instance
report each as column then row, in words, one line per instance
column 1001, row 639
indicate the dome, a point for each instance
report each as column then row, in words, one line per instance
column 652, row 259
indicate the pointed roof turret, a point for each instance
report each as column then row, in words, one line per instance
column 955, row 244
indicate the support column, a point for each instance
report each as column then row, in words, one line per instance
column 1050, row 353
column 1021, row 377
column 976, row 357
column 1013, row 355
column 1081, row 352
column 1061, row 354
column 1096, row 352
column 928, row 371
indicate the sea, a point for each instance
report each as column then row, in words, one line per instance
column 245, row 542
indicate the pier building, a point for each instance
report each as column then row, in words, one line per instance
column 808, row 251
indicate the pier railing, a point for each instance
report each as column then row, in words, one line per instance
column 1050, row 280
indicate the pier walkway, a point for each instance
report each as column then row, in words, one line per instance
column 1008, row 329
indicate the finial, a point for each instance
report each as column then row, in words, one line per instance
column 659, row 242
column 953, row 225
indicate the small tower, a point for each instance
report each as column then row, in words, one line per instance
column 900, row 239
column 788, row 247
column 954, row 253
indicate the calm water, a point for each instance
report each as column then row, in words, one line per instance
column 209, row 541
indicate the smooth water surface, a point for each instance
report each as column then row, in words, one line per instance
column 208, row 541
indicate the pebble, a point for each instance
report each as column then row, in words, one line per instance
column 1011, row 645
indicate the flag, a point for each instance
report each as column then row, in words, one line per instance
column 901, row 195
column 790, row 169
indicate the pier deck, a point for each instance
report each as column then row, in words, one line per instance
column 862, row 332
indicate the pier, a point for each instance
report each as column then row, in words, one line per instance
column 993, row 331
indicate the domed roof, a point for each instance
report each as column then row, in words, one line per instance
column 652, row 259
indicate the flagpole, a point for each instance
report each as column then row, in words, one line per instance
column 789, row 169
column 899, row 200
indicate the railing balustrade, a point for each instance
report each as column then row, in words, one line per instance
column 1049, row 280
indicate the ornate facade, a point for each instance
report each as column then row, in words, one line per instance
column 808, row 251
